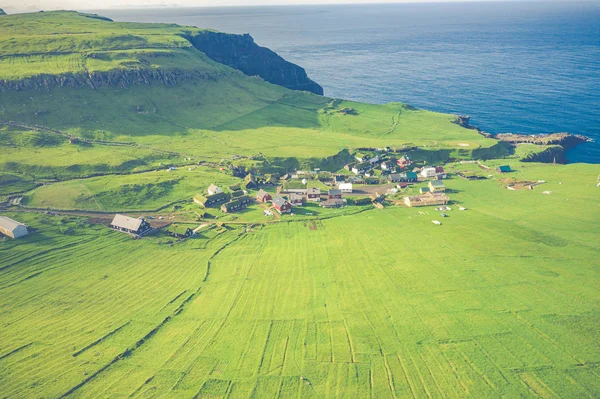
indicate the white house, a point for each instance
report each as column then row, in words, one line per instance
column 214, row 189
column 428, row 172
column 345, row 187
column 12, row 228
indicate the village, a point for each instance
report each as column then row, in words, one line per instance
column 372, row 179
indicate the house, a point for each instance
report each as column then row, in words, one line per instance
column 427, row 199
column 424, row 190
column 333, row 203
column 211, row 200
column 439, row 170
column 428, row 172
column 370, row 173
column 334, row 194
column 296, row 199
column 237, row 194
column 272, row 180
column 411, row 177
column 374, row 160
column 403, row 162
column 436, row 186
column 402, row 185
column 503, row 169
column 361, row 168
column 470, row 176
column 372, row 180
column 11, row 228
column 251, row 181
column 339, row 178
column 361, row 157
column 281, row 204
column 131, row 225
column 363, row 201
column 263, row 196
column 235, row 205
column 396, row 177
column 214, row 189
column 345, row 187
column 388, row 165
column 356, row 180
column 313, row 194
column 180, row 231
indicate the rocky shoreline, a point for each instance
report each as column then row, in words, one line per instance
column 562, row 139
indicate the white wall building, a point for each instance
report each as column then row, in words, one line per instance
column 345, row 187
column 12, row 228
column 428, row 172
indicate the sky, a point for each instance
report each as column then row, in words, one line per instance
column 35, row 5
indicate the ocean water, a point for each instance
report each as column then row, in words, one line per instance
column 521, row 67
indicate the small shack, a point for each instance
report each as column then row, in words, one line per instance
column 503, row 169
column 180, row 231
column 333, row 203
column 127, row 224
column 436, row 186
column 11, row 228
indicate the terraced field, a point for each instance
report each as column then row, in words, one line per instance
column 495, row 302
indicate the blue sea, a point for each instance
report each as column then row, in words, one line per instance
column 521, row 67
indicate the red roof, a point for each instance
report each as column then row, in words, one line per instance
column 439, row 169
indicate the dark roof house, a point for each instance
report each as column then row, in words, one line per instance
column 131, row 225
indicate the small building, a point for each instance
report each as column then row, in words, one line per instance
column 211, row 200
column 251, row 181
column 334, row 194
column 436, row 186
column 281, row 204
column 272, row 179
column 402, row 185
column 363, row 201
column 345, row 187
column 296, row 199
column 375, row 160
column 235, row 205
column 372, row 180
column 214, row 189
column 361, row 157
column 11, row 228
column 439, row 170
column 404, row 161
column 370, row 173
column 361, row 168
column 180, row 231
column 503, row 169
column 424, row 190
column 237, row 194
column 388, row 165
column 356, row 180
column 411, row 176
column 428, row 172
column 263, row 196
column 427, row 199
column 130, row 225
column 333, row 203
column 396, row 177
column 313, row 194
column 339, row 178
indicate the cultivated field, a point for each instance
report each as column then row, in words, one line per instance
column 498, row 301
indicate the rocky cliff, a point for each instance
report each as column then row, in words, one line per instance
column 242, row 53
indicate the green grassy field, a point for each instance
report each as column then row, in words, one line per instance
column 377, row 304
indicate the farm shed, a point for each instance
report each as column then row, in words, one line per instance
column 436, row 186
column 180, row 231
column 281, row 204
column 214, row 189
column 211, row 200
column 313, row 194
column 296, row 199
column 345, row 187
column 333, row 203
column 12, row 228
column 334, row 194
column 503, row 169
column 263, row 196
column 131, row 225
column 426, row 200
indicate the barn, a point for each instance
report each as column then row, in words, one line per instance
column 131, row 225
column 11, row 228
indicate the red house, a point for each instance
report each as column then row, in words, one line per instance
column 334, row 194
column 281, row 205
column 313, row 194
column 263, row 196
column 439, row 169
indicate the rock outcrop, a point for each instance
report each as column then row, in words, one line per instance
column 242, row 53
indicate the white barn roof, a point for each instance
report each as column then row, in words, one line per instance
column 127, row 222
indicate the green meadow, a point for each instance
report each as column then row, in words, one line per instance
column 499, row 301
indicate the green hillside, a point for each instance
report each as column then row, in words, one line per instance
column 500, row 300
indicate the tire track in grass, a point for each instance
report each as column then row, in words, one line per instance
column 99, row 340
column 14, row 351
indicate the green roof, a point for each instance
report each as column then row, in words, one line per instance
column 437, row 183
column 504, row 168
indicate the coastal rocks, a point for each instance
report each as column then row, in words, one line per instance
column 242, row 53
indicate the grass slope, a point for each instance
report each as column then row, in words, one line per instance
column 381, row 303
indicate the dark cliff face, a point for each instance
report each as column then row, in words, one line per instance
column 242, row 53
